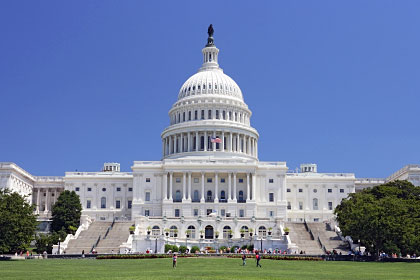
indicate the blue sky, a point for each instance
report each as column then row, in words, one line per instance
column 330, row 82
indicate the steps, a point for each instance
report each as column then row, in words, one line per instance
column 87, row 238
column 116, row 237
column 329, row 238
column 303, row 240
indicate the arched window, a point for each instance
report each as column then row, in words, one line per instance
column 173, row 231
column 241, row 195
column 103, row 202
column 244, row 230
column 195, row 198
column 178, row 196
column 155, row 230
column 262, row 232
column 209, row 232
column 209, row 196
column 192, row 231
column 315, row 203
column 226, row 232
column 223, row 195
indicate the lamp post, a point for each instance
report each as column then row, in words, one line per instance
column 59, row 240
column 156, row 238
column 261, row 242
column 358, row 241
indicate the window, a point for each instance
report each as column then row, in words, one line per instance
column 223, row 212
column 271, row 197
column 209, row 196
column 176, row 212
column 147, row 212
column 147, row 196
column 191, row 231
column 223, row 195
column 209, row 180
column 262, row 232
column 155, row 230
column 130, row 203
column 195, row 197
column 173, row 231
column 130, row 189
column 195, row 212
column 341, row 190
column 195, row 115
column 315, row 190
column 241, row 213
column 300, row 205
column 271, row 213
column 217, row 114
column 241, row 180
column 104, row 189
column 315, row 203
column 103, row 202
column 178, row 180
column 118, row 189
column 209, row 211
column 77, row 189
column 147, row 180
column 271, row 181
column 202, row 114
column 196, row 180
column 241, row 196
column 88, row 204
column 178, row 196
column 89, row 189
column 330, row 190
column 300, row 190
column 316, row 219
column 227, row 231
column 189, row 115
column 209, row 115
column 118, row 204
column 222, row 180
column 288, row 190
column 289, row 205
column 330, row 205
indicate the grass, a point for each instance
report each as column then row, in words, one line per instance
column 203, row 268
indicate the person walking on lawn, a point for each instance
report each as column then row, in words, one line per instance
column 258, row 258
column 174, row 257
column 243, row 259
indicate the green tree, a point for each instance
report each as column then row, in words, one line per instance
column 66, row 213
column 384, row 218
column 17, row 222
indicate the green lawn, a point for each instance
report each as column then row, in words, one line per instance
column 203, row 268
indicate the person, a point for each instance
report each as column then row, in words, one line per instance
column 258, row 258
column 174, row 261
column 83, row 253
column 243, row 260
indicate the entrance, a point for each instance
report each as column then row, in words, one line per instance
column 209, row 232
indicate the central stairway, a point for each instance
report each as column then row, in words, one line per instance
column 329, row 238
column 115, row 237
column 87, row 238
column 303, row 239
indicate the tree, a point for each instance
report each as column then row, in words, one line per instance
column 17, row 222
column 384, row 218
column 66, row 213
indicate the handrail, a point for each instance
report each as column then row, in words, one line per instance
column 96, row 243
column 308, row 230
column 109, row 228
column 322, row 245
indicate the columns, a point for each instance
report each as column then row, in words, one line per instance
column 248, row 189
column 184, row 186
column 254, row 186
column 170, row 185
column 234, row 187
column 238, row 147
column 46, row 200
column 214, row 143
column 205, row 141
column 189, row 142
column 37, row 200
column 216, row 193
column 189, row 186
column 55, row 196
column 230, row 141
column 181, row 150
column 249, row 146
column 202, row 188
column 223, row 141
column 230, row 187
column 165, row 186
column 196, row 141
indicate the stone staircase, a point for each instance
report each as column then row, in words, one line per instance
column 87, row 238
column 303, row 239
column 329, row 238
column 116, row 237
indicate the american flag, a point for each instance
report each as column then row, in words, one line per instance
column 216, row 140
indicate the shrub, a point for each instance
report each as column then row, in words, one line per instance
column 182, row 249
column 250, row 247
column 232, row 250
column 168, row 247
column 222, row 249
column 195, row 249
column 244, row 247
column 175, row 248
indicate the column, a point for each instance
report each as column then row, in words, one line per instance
column 230, row 141
column 248, row 189
column 256, row 148
column 165, row 186
column 202, row 188
column 214, row 143
column 55, row 196
column 245, row 144
column 189, row 142
column 223, row 141
column 238, row 147
column 189, row 186
column 174, row 151
column 230, row 187
column 254, row 186
column 37, row 200
column 249, row 146
column 182, row 143
column 216, row 193
column 196, row 141
column 170, row 185
column 184, row 186
column 205, row 141
column 234, row 187
column 46, row 200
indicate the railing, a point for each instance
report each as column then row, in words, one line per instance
column 308, row 230
column 109, row 228
column 96, row 243
column 322, row 245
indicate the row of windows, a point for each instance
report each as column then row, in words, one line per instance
column 315, row 190
column 209, row 86
column 103, row 203
column 209, row 180
column 89, row 189
column 201, row 115
column 314, row 205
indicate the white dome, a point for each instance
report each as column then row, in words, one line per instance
column 211, row 81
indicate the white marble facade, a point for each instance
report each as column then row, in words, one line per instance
column 209, row 175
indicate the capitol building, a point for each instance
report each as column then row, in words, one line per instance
column 209, row 184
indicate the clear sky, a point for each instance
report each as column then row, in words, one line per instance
column 329, row 82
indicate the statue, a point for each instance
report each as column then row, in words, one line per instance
column 210, row 31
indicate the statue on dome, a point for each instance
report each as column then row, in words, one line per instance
column 210, row 31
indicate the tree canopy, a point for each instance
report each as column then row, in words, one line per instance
column 17, row 222
column 384, row 218
column 66, row 213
